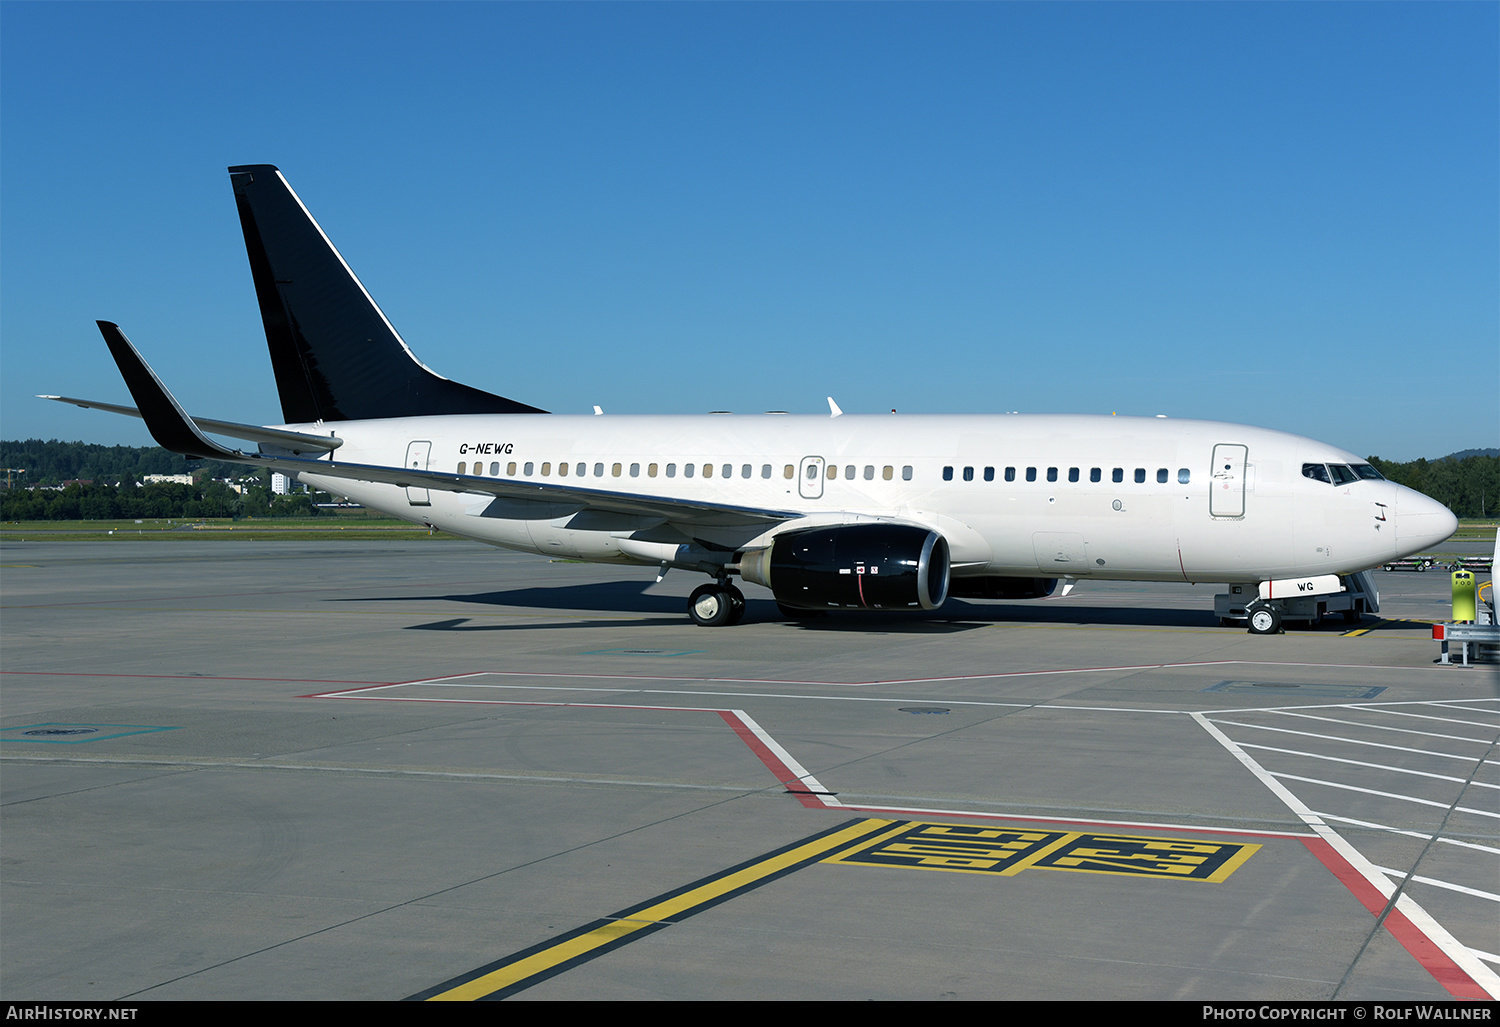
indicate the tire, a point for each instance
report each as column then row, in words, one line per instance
column 710, row 606
column 1353, row 616
column 736, row 604
column 1264, row 620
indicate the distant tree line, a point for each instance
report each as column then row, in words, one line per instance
column 1469, row 485
column 53, row 462
column 106, row 485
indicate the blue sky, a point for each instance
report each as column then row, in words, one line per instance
column 1278, row 214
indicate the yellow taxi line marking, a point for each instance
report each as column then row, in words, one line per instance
column 511, row 974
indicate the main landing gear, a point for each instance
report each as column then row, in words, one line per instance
column 716, row 605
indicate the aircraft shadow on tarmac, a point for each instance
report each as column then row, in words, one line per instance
column 632, row 597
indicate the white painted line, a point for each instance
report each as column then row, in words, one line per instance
column 1373, row 766
column 1382, row 727
column 1386, row 795
column 1475, row 892
column 1409, row 834
column 813, row 784
column 1377, row 708
column 1419, row 917
column 1347, row 740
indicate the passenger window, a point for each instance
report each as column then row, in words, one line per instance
column 1117, row 475
column 1184, row 475
column 530, row 467
column 789, row 472
column 672, row 470
column 812, row 471
column 687, row 470
column 510, row 469
column 989, row 474
column 869, row 472
column 887, row 472
column 1031, row 474
column 849, row 472
column 1010, row 474
column 906, row 472
column 1096, row 474
column 615, row 470
column 765, row 470
column 833, row 472
column 1161, row 475
column 1072, row 474
column 635, row 470
column 562, row 469
column 947, row 474
column 727, row 471
column 746, row 471
column 599, row 471
column 968, row 474
column 461, row 465
column 1140, row 475
column 546, row 468
column 1052, row 474
column 650, row 470
column 708, row 470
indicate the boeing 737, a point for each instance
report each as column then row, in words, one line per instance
column 837, row 512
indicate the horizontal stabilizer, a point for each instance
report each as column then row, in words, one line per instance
column 296, row 441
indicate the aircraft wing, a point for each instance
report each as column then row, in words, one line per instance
column 173, row 429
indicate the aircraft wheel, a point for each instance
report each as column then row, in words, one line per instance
column 1264, row 620
column 736, row 604
column 710, row 606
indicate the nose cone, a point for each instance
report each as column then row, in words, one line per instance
column 1421, row 522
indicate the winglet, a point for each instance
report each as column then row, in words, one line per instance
column 833, row 408
column 169, row 425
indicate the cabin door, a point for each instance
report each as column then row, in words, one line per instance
column 1226, row 497
column 810, row 477
column 416, row 456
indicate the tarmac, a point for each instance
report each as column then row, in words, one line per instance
column 385, row 770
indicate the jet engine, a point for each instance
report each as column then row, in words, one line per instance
column 853, row 566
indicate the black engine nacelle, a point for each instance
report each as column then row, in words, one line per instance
column 1002, row 588
column 854, row 566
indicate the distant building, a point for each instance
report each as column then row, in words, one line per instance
column 280, row 484
column 167, row 479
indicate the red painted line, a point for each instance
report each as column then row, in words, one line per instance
column 1433, row 959
column 193, row 677
column 783, row 773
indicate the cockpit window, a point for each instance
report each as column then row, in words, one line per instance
column 1342, row 475
column 1317, row 472
column 1367, row 472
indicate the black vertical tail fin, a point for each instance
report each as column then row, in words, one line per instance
column 335, row 355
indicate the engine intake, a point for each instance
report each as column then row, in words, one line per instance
column 854, row 566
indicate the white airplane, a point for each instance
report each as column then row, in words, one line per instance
column 888, row 512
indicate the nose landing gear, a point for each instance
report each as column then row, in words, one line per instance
column 1264, row 618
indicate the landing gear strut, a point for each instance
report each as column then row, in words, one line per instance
column 716, row 605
